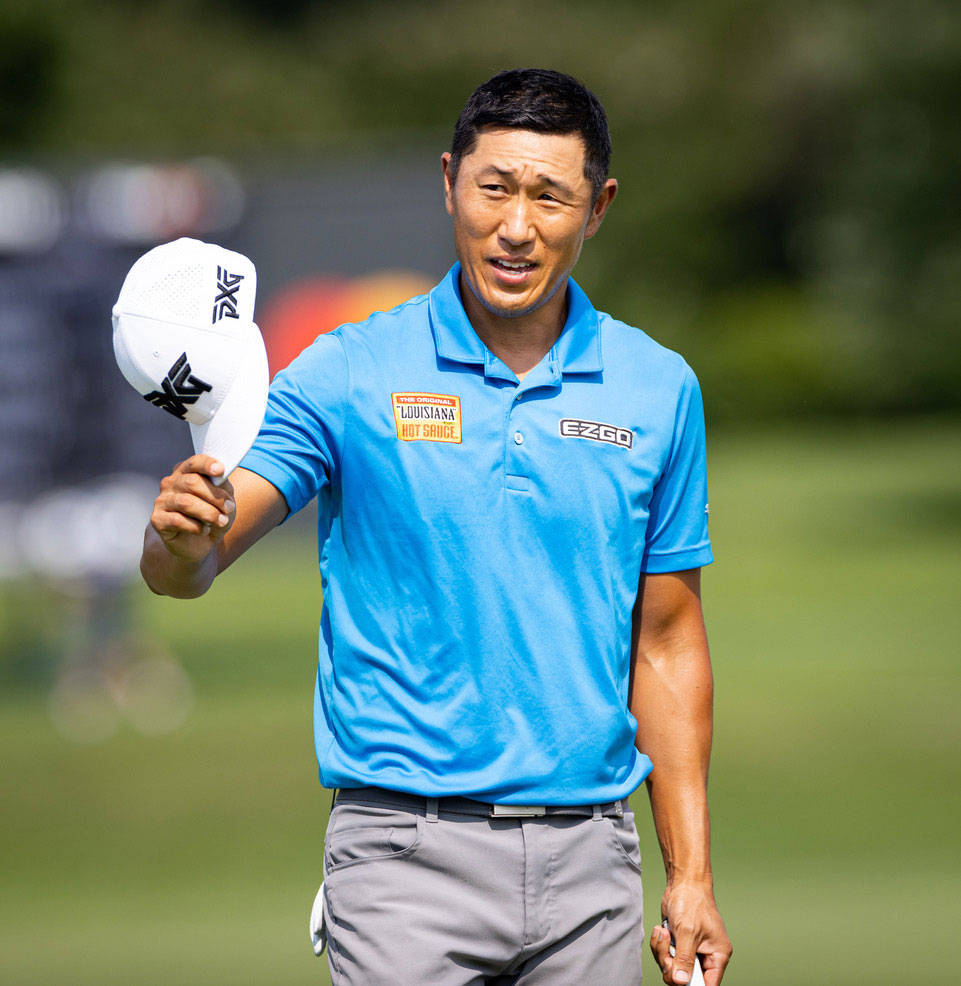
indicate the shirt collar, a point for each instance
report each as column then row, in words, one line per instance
column 577, row 350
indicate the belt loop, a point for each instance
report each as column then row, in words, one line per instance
column 598, row 813
column 432, row 809
column 333, row 798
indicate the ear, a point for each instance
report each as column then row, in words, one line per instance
column 600, row 207
column 448, row 182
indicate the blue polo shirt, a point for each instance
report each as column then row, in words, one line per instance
column 480, row 542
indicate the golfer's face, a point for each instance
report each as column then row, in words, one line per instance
column 522, row 209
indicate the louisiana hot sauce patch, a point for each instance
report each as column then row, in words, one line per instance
column 427, row 417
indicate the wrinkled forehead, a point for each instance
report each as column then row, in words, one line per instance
column 528, row 154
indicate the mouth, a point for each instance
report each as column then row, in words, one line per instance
column 512, row 270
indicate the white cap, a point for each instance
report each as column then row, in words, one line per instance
column 184, row 337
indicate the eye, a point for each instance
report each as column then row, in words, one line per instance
column 493, row 188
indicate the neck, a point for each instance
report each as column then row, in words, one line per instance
column 522, row 342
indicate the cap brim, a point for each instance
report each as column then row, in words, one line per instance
column 228, row 435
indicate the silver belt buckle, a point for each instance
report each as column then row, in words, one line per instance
column 518, row 811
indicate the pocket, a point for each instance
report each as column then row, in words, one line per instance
column 625, row 839
column 362, row 834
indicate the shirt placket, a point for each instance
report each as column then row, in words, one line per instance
column 519, row 438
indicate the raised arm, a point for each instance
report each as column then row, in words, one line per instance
column 197, row 529
column 672, row 698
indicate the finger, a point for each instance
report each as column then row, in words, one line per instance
column 713, row 965
column 196, row 507
column 192, row 507
column 203, row 487
column 226, row 499
column 661, row 948
column 170, row 526
column 197, row 483
column 205, row 465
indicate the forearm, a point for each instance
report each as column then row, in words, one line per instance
column 673, row 700
column 169, row 575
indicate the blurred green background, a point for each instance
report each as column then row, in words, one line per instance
column 790, row 219
column 790, row 213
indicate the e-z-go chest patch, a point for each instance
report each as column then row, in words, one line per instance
column 427, row 417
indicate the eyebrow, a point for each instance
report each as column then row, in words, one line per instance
column 545, row 178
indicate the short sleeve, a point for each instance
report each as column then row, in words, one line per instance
column 677, row 537
column 298, row 446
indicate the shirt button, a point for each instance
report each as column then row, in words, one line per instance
column 518, row 438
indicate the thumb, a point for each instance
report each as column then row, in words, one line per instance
column 684, row 955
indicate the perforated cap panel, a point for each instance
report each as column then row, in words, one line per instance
column 184, row 295
column 191, row 283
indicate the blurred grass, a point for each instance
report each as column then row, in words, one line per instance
column 834, row 620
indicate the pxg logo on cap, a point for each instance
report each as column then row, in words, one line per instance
column 185, row 339
column 180, row 388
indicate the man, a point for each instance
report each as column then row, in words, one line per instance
column 512, row 521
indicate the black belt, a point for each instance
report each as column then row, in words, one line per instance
column 382, row 797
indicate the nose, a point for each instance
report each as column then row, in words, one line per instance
column 515, row 227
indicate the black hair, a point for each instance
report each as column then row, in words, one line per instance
column 541, row 100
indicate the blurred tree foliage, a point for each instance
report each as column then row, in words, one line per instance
column 790, row 215
column 30, row 52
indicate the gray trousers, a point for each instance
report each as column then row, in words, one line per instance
column 414, row 896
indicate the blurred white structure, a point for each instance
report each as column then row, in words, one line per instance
column 92, row 532
column 32, row 211
column 146, row 204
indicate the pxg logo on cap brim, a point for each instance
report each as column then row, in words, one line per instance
column 185, row 339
